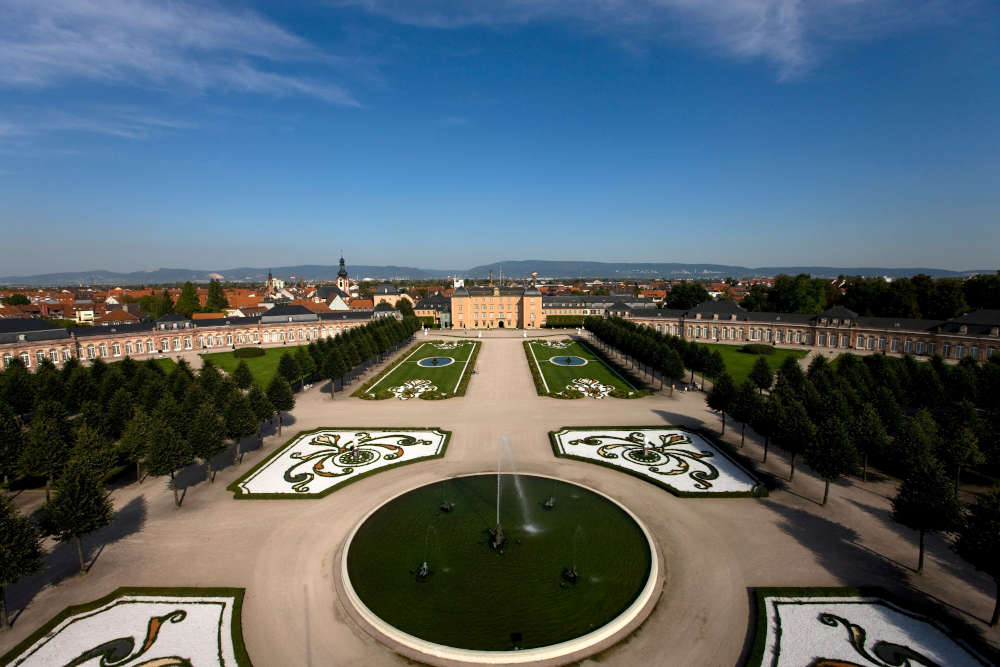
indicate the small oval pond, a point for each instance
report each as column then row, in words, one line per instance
column 568, row 361
column 435, row 362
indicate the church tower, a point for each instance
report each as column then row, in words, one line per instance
column 343, row 283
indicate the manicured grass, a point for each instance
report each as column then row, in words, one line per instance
column 448, row 377
column 555, row 377
column 739, row 364
column 168, row 365
column 262, row 368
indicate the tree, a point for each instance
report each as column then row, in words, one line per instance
column 46, row 450
column 137, row 438
column 831, row 454
column 306, row 364
column 17, row 387
column 794, row 431
column 16, row 299
column 261, row 408
column 869, row 436
column 207, row 435
column 80, row 507
column 187, row 303
column 686, row 295
column 242, row 375
column 281, row 397
column 405, row 308
column 11, row 443
column 744, row 407
column 216, row 301
column 761, row 374
column 334, row 367
column 926, row 502
column 20, row 551
column 91, row 451
column 167, row 453
column 959, row 450
column 721, row 396
column 979, row 541
column 289, row 369
column 240, row 420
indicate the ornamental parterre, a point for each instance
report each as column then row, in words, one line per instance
column 590, row 388
column 317, row 462
column 412, row 389
column 172, row 627
column 846, row 631
column 672, row 457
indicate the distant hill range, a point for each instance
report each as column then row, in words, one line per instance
column 512, row 269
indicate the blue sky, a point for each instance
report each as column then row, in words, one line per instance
column 138, row 134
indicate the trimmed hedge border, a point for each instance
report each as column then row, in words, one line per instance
column 536, row 375
column 759, row 490
column 248, row 352
column 464, row 384
column 239, row 647
column 949, row 624
column 239, row 495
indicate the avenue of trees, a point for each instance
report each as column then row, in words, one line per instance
column 926, row 423
column 71, row 429
column 918, row 297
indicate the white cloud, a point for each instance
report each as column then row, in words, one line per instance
column 791, row 35
column 154, row 43
column 123, row 122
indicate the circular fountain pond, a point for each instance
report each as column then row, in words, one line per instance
column 568, row 361
column 435, row 362
column 577, row 571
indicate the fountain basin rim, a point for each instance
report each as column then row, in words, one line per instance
column 555, row 654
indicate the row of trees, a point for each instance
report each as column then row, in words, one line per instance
column 918, row 297
column 925, row 422
column 74, row 426
column 188, row 302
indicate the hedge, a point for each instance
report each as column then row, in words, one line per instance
column 563, row 321
column 757, row 348
column 248, row 352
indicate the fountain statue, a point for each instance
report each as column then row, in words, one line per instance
column 423, row 572
column 570, row 575
column 550, row 503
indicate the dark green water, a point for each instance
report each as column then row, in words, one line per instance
column 476, row 598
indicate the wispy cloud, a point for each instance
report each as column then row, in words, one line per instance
column 156, row 43
column 21, row 123
column 791, row 35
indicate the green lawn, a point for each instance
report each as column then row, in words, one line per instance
column 167, row 364
column 408, row 378
column 556, row 377
column 739, row 364
column 263, row 368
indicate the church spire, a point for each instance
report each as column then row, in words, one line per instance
column 343, row 269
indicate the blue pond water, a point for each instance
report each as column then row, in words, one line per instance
column 568, row 361
column 435, row 362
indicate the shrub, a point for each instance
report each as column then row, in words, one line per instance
column 248, row 352
column 382, row 394
column 571, row 393
column 757, row 348
column 435, row 395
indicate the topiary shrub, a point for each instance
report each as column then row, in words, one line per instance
column 571, row 393
column 248, row 352
column 757, row 348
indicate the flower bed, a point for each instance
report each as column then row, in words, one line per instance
column 681, row 461
column 315, row 463
column 852, row 627
column 150, row 626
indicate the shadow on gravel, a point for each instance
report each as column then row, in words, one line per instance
column 62, row 563
column 678, row 419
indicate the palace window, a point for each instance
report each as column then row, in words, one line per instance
column 116, row 349
column 895, row 345
column 66, row 354
column 7, row 359
column 907, row 346
column 218, row 340
column 959, row 351
column 822, row 339
column 974, row 352
column 177, row 344
column 256, row 337
column 26, row 359
column 54, row 356
column 845, row 340
column 931, row 348
column 102, row 350
column 229, row 339
column 40, row 356
column 128, row 347
column 291, row 335
column 149, row 346
column 267, row 336
column 920, row 347
column 945, row 350
column 239, row 338
column 90, row 352
column 187, row 342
